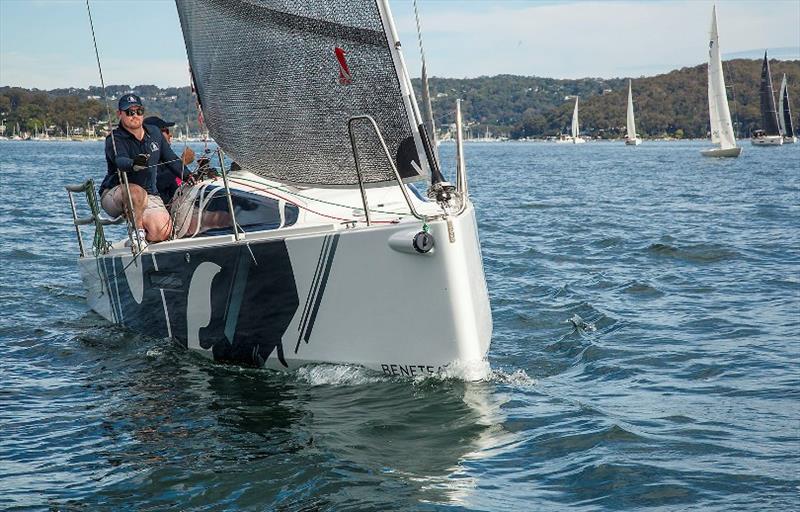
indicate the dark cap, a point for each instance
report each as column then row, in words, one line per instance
column 157, row 121
column 129, row 100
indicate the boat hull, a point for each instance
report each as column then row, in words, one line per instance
column 353, row 296
column 789, row 140
column 633, row 142
column 769, row 140
column 720, row 152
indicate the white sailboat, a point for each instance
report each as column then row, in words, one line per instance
column 785, row 122
column 574, row 135
column 719, row 113
column 631, row 139
column 314, row 247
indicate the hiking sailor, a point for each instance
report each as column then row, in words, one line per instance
column 140, row 151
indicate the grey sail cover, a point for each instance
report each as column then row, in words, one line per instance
column 278, row 80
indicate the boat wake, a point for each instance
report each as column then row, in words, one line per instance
column 354, row 375
column 338, row 375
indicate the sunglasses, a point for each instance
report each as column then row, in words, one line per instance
column 165, row 131
column 134, row 112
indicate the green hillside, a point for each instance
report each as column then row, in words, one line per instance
column 673, row 104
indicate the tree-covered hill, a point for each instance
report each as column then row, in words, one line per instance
column 505, row 103
column 672, row 104
column 678, row 100
column 82, row 108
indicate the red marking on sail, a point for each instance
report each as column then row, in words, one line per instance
column 345, row 78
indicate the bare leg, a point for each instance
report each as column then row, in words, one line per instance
column 158, row 224
column 139, row 200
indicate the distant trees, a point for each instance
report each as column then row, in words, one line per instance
column 82, row 108
column 664, row 104
column 673, row 104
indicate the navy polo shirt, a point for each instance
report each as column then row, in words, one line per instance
column 160, row 157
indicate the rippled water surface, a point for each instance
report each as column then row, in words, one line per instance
column 646, row 306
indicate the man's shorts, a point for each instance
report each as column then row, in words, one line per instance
column 113, row 201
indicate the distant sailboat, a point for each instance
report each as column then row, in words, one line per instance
column 785, row 114
column 574, row 135
column 630, row 138
column 770, row 133
column 718, row 111
column 576, row 138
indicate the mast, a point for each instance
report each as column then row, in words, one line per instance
column 769, row 113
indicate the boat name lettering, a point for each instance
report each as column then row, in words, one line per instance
column 409, row 370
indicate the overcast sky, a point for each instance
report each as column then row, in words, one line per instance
column 47, row 43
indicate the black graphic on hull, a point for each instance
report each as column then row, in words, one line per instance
column 317, row 291
column 252, row 298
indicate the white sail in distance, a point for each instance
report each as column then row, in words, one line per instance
column 719, row 113
column 781, row 121
column 631, row 124
column 575, row 128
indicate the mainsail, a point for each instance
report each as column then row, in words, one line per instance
column 631, row 124
column 784, row 111
column 769, row 115
column 575, row 128
column 719, row 113
column 278, row 81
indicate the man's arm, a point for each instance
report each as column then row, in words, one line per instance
column 173, row 162
column 121, row 159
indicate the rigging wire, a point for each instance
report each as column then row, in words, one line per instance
column 100, row 70
column 426, row 93
column 266, row 188
column 131, row 223
column 419, row 34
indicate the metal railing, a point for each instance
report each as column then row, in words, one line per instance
column 388, row 158
column 231, row 209
column 462, row 189
column 99, row 244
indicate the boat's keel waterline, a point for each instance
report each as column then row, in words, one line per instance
column 769, row 140
column 347, row 296
column 722, row 152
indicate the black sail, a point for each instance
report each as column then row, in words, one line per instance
column 279, row 79
column 787, row 114
column 769, row 113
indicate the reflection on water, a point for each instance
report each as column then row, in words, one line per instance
column 343, row 430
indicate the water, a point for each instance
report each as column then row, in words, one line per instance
column 645, row 355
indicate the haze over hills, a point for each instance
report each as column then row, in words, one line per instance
column 672, row 104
